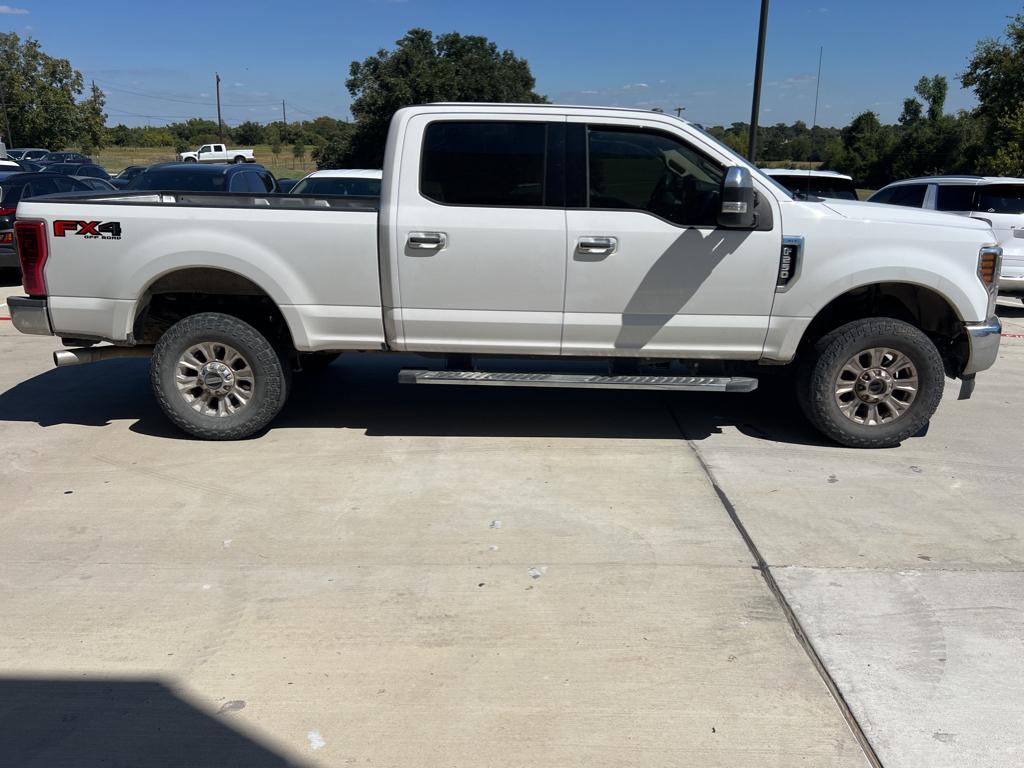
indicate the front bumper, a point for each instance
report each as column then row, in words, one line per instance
column 983, row 341
column 30, row 315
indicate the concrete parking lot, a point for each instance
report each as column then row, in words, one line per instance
column 430, row 576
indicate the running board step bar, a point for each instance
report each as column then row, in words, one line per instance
column 580, row 381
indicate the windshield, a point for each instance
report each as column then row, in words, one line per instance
column 1001, row 198
column 173, row 180
column 805, row 185
column 130, row 173
column 336, row 185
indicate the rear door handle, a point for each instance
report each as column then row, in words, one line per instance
column 597, row 244
column 427, row 241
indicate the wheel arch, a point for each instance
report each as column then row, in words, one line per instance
column 181, row 291
column 923, row 306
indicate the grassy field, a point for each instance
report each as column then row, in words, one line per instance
column 284, row 166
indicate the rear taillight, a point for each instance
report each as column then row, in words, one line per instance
column 8, row 211
column 32, row 251
column 6, row 238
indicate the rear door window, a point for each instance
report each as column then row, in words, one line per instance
column 910, row 195
column 487, row 163
column 955, row 197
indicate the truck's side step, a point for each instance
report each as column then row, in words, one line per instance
column 576, row 380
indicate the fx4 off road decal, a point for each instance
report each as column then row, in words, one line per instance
column 90, row 230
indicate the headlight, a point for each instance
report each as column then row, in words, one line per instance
column 990, row 259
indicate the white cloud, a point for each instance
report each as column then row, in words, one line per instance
column 6, row 10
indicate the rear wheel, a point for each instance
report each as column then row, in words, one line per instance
column 218, row 378
column 239, row 159
column 871, row 383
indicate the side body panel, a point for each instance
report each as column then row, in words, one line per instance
column 668, row 290
column 496, row 286
column 840, row 254
column 318, row 266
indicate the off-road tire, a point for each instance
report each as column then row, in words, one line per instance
column 819, row 371
column 271, row 376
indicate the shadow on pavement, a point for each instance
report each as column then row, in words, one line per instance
column 361, row 392
column 54, row 723
column 1010, row 310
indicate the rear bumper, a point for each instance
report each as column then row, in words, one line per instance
column 983, row 340
column 30, row 315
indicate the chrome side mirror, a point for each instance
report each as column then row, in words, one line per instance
column 738, row 199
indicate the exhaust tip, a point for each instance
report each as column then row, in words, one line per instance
column 63, row 358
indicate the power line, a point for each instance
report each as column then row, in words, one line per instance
column 179, row 100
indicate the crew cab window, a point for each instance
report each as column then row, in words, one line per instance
column 653, row 172
column 954, row 197
column 1001, row 198
column 484, row 163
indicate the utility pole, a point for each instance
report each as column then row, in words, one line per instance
column 284, row 115
column 220, row 123
column 679, row 111
column 755, row 108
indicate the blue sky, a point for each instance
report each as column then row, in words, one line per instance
column 156, row 60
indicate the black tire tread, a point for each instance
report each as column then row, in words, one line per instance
column 816, row 379
column 275, row 380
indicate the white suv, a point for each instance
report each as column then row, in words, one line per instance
column 996, row 200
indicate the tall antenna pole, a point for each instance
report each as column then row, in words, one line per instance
column 284, row 115
column 755, row 107
column 220, row 122
column 817, row 90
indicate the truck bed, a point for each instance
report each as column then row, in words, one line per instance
column 315, row 256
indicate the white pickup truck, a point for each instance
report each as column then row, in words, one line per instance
column 523, row 231
column 217, row 153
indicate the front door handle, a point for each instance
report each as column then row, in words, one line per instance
column 597, row 244
column 427, row 241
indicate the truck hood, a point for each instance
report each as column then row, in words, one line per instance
column 899, row 214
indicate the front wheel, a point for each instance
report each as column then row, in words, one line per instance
column 218, row 378
column 871, row 383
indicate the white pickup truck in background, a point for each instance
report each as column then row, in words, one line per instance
column 535, row 232
column 217, row 153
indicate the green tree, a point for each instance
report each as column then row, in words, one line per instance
column 92, row 121
column 248, row 133
column 298, row 153
column 996, row 74
column 424, row 68
column 120, row 135
column 1008, row 157
column 39, row 92
column 272, row 136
